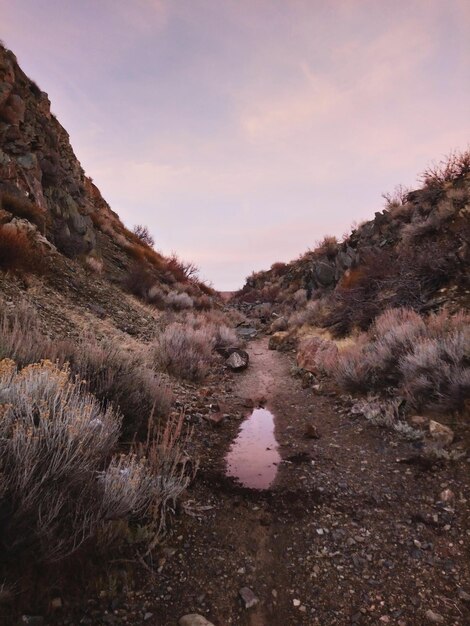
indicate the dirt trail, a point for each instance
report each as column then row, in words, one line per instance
column 345, row 535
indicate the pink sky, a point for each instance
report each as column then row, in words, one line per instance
column 242, row 131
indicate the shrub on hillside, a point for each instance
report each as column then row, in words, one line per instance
column 453, row 167
column 113, row 374
column 426, row 358
column 19, row 254
column 183, row 351
column 144, row 235
column 179, row 301
column 23, row 208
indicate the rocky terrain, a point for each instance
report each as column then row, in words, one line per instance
column 365, row 516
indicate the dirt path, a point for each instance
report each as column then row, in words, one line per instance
column 346, row 534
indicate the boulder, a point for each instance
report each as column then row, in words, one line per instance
column 325, row 274
column 307, row 351
column 238, row 360
column 441, row 434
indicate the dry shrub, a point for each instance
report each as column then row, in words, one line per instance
column 327, row 247
column 139, row 281
column 311, row 315
column 426, row 358
column 54, row 436
column 300, row 298
column 453, row 167
column 144, row 235
column 112, row 374
column 179, row 301
column 182, row 271
column 19, row 254
column 203, row 303
column 23, row 208
column 183, row 351
column 61, row 486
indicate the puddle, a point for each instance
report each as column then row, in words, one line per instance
column 253, row 456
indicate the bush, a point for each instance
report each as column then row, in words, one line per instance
column 19, row 254
column 60, row 484
column 451, row 168
column 54, row 437
column 179, row 301
column 183, row 351
column 23, row 208
column 426, row 359
column 114, row 375
column 144, row 235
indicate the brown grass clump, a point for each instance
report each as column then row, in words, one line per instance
column 19, row 254
column 23, row 208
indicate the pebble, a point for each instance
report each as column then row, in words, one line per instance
column 434, row 618
column 296, row 602
column 193, row 619
column 248, row 597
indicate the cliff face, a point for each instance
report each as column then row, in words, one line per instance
column 37, row 161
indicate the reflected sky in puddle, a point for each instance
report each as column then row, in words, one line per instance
column 253, row 456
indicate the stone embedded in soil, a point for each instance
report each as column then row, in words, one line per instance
column 193, row 619
column 238, row 360
column 433, row 617
column 311, row 432
column 248, row 597
column 440, row 433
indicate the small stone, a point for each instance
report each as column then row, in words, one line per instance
column 238, row 360
column 193, row 619
column 385, row 619
column 32, row 620
column 248, row 597
column 440, row 433
column 446, row 496
column 464, row 596
column 311, row 432
column 419, row 420
column 147, row 616
column 433, row 617
column 56, row 603
column 296, row 602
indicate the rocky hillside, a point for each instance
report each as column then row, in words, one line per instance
column 415, row 253
column 50, row 208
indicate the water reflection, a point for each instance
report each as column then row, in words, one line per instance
column 253, row 456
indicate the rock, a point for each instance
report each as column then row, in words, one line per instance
column 247, row 332
column 281, row 341
column 447, row 495
column 214, row 418
column 306, row 355
column 56, row 603
column 464, row 596
column 279, row 324
column 13, row 110
column 440, row 433
column 193, row 619
column 248, row 597
column 149, row 615
column 419, row 421
column 32, row 620
column 238, row 360
column 311, row 432
column 434, row 618
column 325, row 274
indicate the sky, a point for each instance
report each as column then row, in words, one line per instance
column 243, row 131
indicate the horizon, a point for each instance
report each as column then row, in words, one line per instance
column 242, row 133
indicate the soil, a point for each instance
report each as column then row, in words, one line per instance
column 346, row 534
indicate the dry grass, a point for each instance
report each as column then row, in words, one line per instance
column 23, row 208
column 19, row 254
